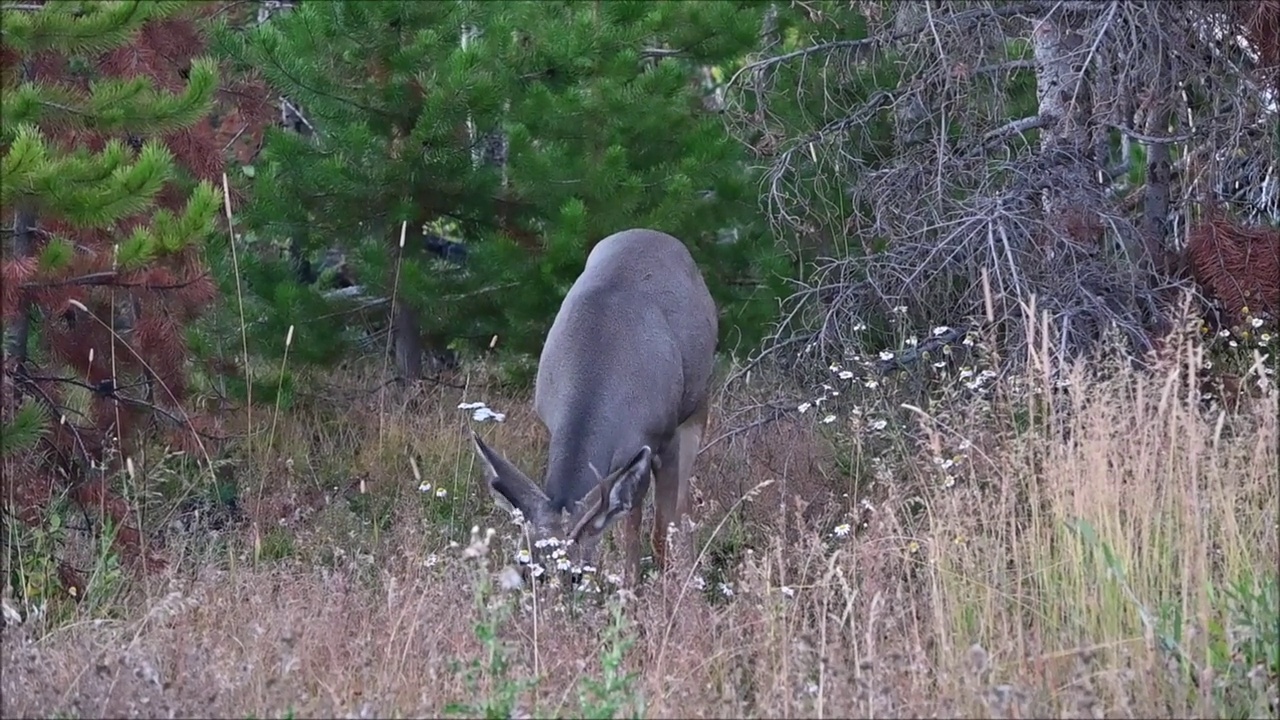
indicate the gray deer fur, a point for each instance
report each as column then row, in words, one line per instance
column 623, row 387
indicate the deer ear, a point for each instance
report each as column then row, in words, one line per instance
column 511, row 489
column 616, row 494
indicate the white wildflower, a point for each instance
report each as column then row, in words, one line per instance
column 509, row 578
column 842, row 530
column 481, row 412
column 11, row 614
column 485, row 415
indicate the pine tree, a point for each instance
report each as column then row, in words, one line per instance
column 110, row 167
column 605, row 130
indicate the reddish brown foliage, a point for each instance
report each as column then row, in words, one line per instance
column 30, row 487
column 13, row 273
column 130, row 346
column 1236, row 265
column 10, row 65
column 198, row 151
column 1261, row 20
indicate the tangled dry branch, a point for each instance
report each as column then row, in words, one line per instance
column 1059, row 147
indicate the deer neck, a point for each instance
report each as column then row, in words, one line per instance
column 589, row 441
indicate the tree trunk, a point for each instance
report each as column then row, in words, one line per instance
column 1065, row 101
column 1157, row 193
column 24, row 228
column 408, row 343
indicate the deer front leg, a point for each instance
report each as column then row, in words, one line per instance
column 631, row 541
column 667, row 505
column 671, row 494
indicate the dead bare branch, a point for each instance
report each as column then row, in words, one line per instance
column 1062, row 217
column 1008, row 130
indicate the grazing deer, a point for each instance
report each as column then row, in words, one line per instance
column 623, row 386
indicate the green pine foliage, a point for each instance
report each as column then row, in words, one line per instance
column 80, row 28
column 99, row 265
column 29, row 424
column 96, row 189
column 602, row 134
column 78, row 196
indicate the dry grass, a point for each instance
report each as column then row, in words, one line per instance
column 1032, row 553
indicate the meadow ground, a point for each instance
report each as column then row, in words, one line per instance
column 1002, row 549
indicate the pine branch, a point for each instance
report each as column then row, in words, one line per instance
column 94, row 197
column 110, row 278
column 74, row 29
column 87, row 190
column 115, row 105
column 28, row 426
column 107, row 389
column 53, row 409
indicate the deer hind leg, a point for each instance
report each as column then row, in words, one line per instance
column 671, row 492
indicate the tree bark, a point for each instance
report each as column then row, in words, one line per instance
column 408, row 343
column 1065, row 103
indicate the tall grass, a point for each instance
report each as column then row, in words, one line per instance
column 1079, row 547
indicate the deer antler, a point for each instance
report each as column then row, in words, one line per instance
column 596, row 501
